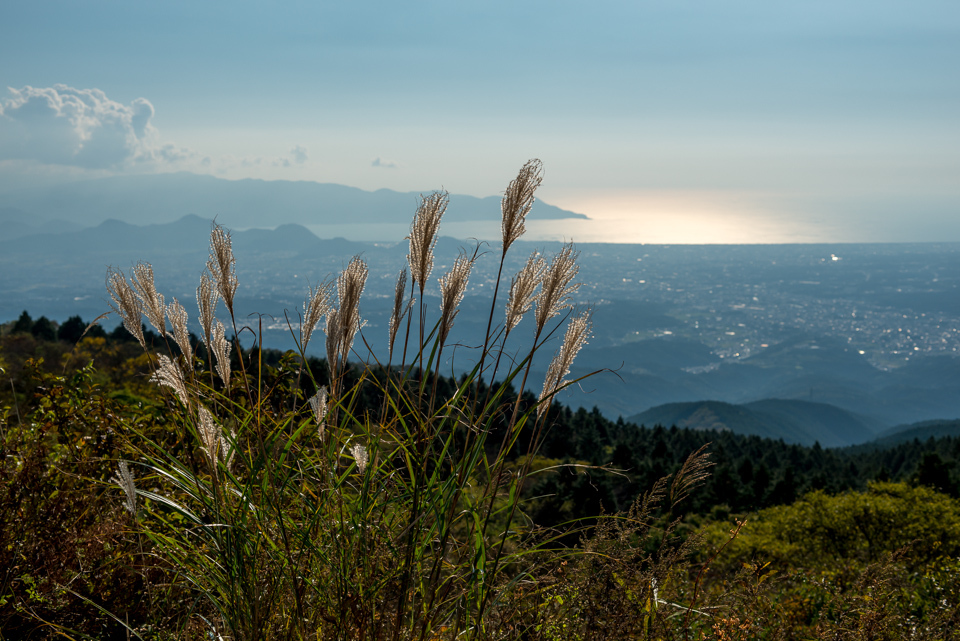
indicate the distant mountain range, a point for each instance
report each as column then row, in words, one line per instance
column 793, row 421
column 921, row 431
column 16, row 223
column 162, row 198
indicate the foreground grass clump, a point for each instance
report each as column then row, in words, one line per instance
column 366, row 501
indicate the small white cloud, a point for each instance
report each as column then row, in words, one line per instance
column 386, row 164
column 299, row 154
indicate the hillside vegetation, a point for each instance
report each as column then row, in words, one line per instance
column 71, row 551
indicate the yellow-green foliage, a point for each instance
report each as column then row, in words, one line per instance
column 875, row 564
column 859, row 526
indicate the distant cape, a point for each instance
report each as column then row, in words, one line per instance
column 162, row 198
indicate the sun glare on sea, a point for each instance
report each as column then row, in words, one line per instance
column 669, row 218
column 673, row 218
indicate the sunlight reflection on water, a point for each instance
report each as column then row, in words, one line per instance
column 658, row 217
column 674, row 229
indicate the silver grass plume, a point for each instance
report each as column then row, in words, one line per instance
column 578, row 331
column 170, row 375
column 518, row 200
column 150, row 299
column 124, row 479
column 215, row 445
column 178, row 321
column 423, row 235
column 314, row 308
column 693, row 473
column 126, row 304
column 221, row 350
column 350, row 285
column 333, row 340
column 522, row 288
column 222, row 264
column 360, row 456
column 453, row 284
column 318, row 403
column 207, row 298
column 556, row 286
column 399, row 310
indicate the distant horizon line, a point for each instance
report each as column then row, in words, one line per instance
column 312, row 229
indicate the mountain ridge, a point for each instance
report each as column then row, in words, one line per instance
column 794, row 421
column 247, row 203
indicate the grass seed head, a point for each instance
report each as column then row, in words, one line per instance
column 318, row 403
column 453, row 284
column 399, row 310
column 151, row 301
column 213, row 442
column 222, row 264
column 423, row 235
column 126, row 304
column 361, row 456
column 178, row 321
column 124, row 479
column 207, row 298
column 522, row 288
column 557, row 285
column 221, row 350
column 333, row 339
column 344, row 323
column 170, row 375
column 518, row 200
column 316, row 306
column 578, row 332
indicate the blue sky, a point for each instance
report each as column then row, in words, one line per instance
column 740, row 121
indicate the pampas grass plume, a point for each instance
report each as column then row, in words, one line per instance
column 126, row 304
column 178, row 321
column 557, row 285
column 518, row 200
column 207, row 298
column 170, row 375
column 124, row 479
column 150, row 299
column 522, row 288
column 453, row 284
column 222, row 264
column 578, row 332
column 423, row 235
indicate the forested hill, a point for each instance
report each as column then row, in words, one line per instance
column 750, row 472
column 792, row 420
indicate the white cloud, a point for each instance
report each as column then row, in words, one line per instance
column 61, row 125
column 299, row 154
column 386, row 164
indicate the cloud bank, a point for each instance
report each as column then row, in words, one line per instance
column 85, row 129
column 62, row 125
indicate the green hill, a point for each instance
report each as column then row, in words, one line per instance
column 921, row 431
column 794, row 421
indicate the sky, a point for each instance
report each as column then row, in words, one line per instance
column 664, row 121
